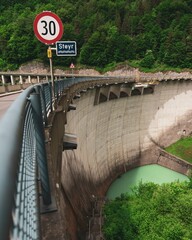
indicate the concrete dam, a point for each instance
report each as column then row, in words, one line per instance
column 117, row 126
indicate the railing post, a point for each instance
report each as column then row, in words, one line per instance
column 12, row 80
column 29, row 79
column 20, row 79
column 39, row 89
column 41, row 151
column 3, row 79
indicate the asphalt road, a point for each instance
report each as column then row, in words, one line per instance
column 5, row 102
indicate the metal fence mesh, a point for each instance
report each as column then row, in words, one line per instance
column 47, row 96
column 25, row 214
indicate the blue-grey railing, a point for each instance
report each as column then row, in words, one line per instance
column 23, row 160
column 22, row 148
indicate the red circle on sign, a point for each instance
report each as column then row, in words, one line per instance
column 48, row 27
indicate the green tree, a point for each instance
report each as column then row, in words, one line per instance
column 148, row 59
column 106, row 31
column 152, row 211
column 94, row 52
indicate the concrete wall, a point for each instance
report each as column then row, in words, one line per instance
column 177, row 164
column 118, row 135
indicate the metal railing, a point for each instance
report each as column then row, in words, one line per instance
column 23, row 161
column 22, row 148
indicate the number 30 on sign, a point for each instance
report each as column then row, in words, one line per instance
column 48, row 27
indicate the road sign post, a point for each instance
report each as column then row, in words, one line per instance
column 49, row 55
column 48, row 29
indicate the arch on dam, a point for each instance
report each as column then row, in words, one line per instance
column 102, row 98
column 107, row 93
column 148, row 90
column 123, row 94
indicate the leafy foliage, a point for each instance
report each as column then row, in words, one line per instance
column 106, row 31
column 148, row 59
column 156, row 212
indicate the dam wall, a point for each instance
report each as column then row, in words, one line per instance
column 120, row 134
column 116, row 131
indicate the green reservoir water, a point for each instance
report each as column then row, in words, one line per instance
column 149, row 173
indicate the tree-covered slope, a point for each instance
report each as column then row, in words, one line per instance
column 106, row 31
column 152, row 212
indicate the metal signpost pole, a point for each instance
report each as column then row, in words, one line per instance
column 52, row 81
column 49, row 55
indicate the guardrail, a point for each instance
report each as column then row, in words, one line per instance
column 22, row 149
column 21, row 78
column 10, row 79
column 23, row 160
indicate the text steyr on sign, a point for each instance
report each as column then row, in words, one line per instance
column 66, row 48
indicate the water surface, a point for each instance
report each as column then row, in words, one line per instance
column 149, row 173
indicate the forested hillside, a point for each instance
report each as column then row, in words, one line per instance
column 106, row 31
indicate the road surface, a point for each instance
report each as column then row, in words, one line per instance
column 5, row 102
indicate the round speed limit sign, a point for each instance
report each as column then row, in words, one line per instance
column 48, row 27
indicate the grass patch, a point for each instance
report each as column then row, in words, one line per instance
column 182, row 149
